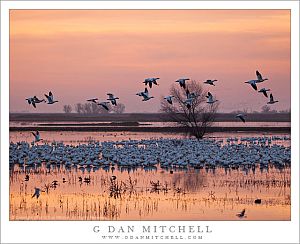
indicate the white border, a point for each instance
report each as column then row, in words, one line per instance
column 81, row 231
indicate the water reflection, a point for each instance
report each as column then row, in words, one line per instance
column 149, row 194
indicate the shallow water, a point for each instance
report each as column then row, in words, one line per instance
column 155, row 194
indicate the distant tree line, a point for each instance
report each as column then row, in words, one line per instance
column 93, row 108
column 264, row 109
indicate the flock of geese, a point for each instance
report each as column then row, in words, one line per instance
column 154, row 81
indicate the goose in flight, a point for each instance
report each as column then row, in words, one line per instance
column 252, row 83
column 259, row 77
column 264, row 91
column 272, row 100
column 146, row 96
column 37, row 192
column 37, row 136
column 150, row 81
column 142, row 92
column 210, row 82
column 104, row 105
column 210, row 98
column 36, row 100
column 93, row 100
column 112, row 99
column 169, row 99
column 30, row 100
column 190, row 95
column 182, row 82
column 50, row 98
column 241, row 214
column 241, row 117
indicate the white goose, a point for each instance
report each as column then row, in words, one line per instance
column 30, row 100
column 146, row 96
column 210, row 82
column 241, row 117
column 182, row 82
column 264, row 91
column 37, row 136
column 272, row 101
column 93, row 100
column 210, row 98
column 259, row 77
column 112, row 99
column 169, row 99
column 50, row 98
column 104, row 105
column 150, row 81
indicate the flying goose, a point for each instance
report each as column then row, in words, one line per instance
column 252, row 83
column 112, row 98
column 210, row 82
column 264, row 91
column 241, row 117
column 210, row 98
column 37, row 192
column 169, row 99
column 150, row 81
column 182, row 82
column 30, row 100
column 259, row 77
column 272, row 100
column 94, row 100
column 50, row 98
column 241, row 214
column 146, row 96
column 36, row 100
column 104, row 105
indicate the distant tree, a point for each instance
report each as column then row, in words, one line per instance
column 265, row 109
column 119, row 108
column 67, row 109
column 79, row 108
column 196, row 119
column 87, row 108
column 95, row 108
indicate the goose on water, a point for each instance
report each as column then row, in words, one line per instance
column 50, row 98
column 182, row 82
column 241, row 117
column 272, row 101
column 210, row 82
column 169, row 99
column 112, row 99
column 264, row 91
column 150, row 81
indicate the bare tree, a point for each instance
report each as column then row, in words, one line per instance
column 195, row 119
column 79, row 108
column 265, row 109
column 67, row 109
column 119, row 108
column 87, row 108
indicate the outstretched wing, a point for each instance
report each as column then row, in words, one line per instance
column 271, row 97
column 259, row 77
column 254, row 86
column 265, row 93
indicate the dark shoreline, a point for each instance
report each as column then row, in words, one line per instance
column 138, row 117
column 151, row 129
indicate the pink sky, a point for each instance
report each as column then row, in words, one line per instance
column 81, row 54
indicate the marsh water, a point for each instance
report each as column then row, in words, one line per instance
column 115, row 193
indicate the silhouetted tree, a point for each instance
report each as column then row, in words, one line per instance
column 79, row 108
column 195, row 119
column 119, row 108
column 67, row 109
